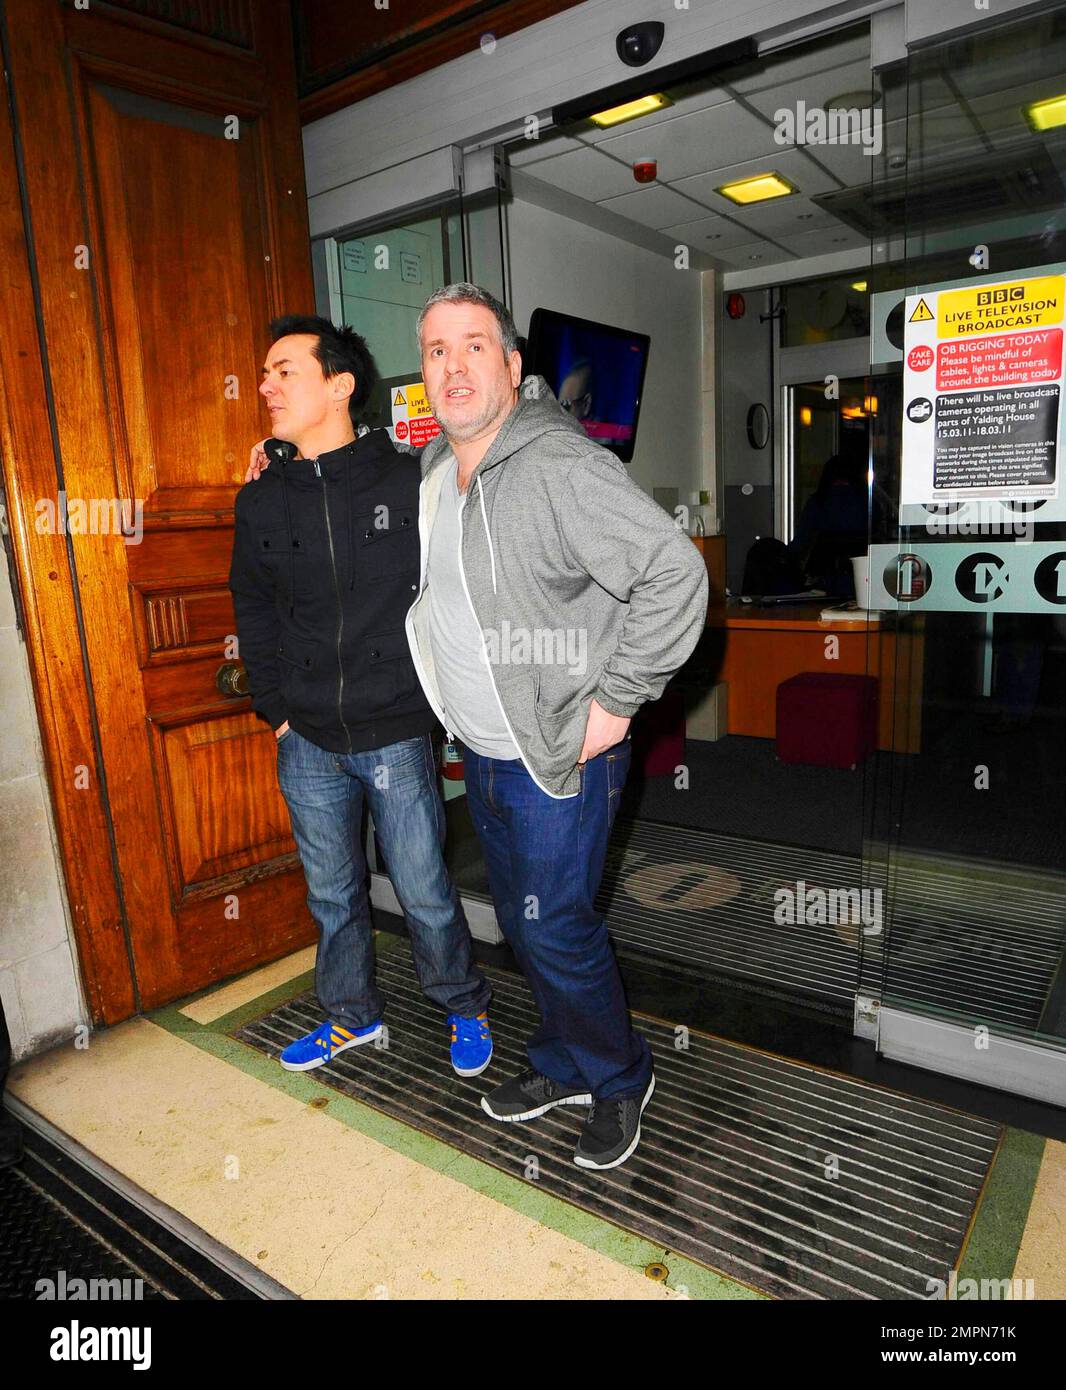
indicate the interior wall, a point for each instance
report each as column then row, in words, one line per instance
column 747, row 473
column 38, row 976
column 558, row 263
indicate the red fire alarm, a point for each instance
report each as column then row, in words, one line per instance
column 734, row 305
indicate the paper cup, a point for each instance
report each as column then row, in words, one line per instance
column 860, row 568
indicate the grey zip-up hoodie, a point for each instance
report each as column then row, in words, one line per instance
column 582, row 586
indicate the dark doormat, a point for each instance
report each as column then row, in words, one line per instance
column 797, row 1182
column 960, row 937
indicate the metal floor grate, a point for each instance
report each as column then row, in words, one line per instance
column 957, row 940
column 736, row 1165
column 61, row 1223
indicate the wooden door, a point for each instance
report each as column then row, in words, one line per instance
column 165, row 223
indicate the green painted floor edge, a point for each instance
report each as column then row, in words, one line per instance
column 996, row 1236
column 991, row 1249
column 686, row 1276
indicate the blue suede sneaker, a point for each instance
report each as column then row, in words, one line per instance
column 325, row 1043
column 471, row 1044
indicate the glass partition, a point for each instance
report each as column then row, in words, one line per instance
column 964, row 821
column 376, row 278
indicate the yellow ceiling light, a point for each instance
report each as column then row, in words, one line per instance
column 859, row 285
column 806, row 415
column 1046, row 115
column 757, row 189
column 630, row 110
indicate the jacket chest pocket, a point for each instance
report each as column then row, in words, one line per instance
column 282, row 555
column 298, row 652
column 277, row 545
column 386, row 543
column 287, row 560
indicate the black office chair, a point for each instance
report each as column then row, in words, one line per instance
column 770, row 568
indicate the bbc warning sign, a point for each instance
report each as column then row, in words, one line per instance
column 412, row 420
column 982, row 390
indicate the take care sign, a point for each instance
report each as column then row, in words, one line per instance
column 412, row 420
column 982, row 390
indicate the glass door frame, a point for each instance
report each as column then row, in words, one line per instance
column 946, row 1038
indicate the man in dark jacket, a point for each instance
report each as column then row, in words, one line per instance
column 325, row 566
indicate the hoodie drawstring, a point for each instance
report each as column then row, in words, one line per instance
column 485, row 521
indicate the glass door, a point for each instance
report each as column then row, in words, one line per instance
column 964, row 836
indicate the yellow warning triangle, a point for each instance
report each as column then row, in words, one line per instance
column 922, row 313
column 399, row 399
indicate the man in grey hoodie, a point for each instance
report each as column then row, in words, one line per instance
column 555, row 598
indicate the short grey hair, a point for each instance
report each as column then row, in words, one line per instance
column 464, row 293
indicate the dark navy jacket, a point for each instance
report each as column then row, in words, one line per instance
column 325, row 566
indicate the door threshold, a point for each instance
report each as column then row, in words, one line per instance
column 186, row 1231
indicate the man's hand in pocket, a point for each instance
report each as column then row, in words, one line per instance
column 602, row 731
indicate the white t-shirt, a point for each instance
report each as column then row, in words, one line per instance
column 463, row 676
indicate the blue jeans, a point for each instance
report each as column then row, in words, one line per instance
column 324, row 793
column 545, row 860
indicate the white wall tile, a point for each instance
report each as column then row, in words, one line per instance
column 49, row 998
column 16, row 1024
column 32, row 915
column 18, row 728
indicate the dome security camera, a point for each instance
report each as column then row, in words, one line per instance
column 639, row 43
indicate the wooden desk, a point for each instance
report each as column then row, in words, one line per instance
column 767, row 645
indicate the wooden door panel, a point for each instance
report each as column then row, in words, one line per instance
column 176, row 201
column 178, row 621
column 220, row 785
column 214, row 945
column 194, row 243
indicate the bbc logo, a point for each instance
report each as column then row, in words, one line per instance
column 1000, row 296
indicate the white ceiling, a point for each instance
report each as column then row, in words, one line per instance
column 726, row 133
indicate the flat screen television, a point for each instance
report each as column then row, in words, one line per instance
column 596, row 372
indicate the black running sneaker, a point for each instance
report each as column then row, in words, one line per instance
column 526, row 1096
column 612, row 1130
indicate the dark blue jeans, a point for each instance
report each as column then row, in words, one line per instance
column 545, row 860
column 324, row 793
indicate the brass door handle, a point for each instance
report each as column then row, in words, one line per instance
column 232, row 679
